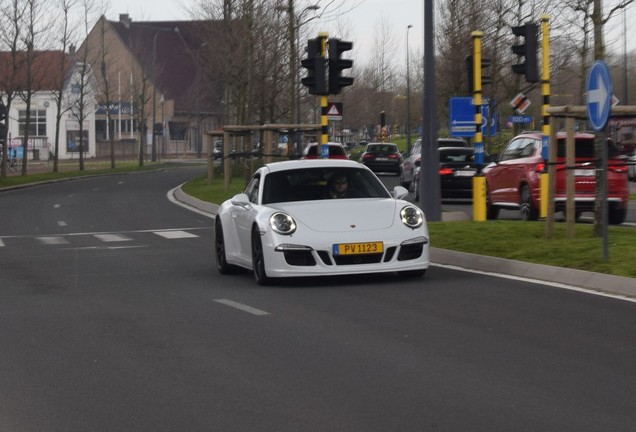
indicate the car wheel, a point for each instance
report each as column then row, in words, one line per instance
column 528, row 211
column 617, row 216
column 258, row 259
column 219, row 247
column 492, row 212
column 412, row 273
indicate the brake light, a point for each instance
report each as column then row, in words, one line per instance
column 540, row 167
column 618, row 169
column 393, row 156
column 445, row 171
column 367, row 156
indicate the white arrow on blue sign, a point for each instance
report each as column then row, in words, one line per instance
column 599, row 95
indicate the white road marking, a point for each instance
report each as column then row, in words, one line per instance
column 56, row 206
column 61, row 223
column 53, row 240
column 175, row 234
column 241, row 306
column 1, row 243
column 112, row 237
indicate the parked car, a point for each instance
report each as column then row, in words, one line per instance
column 457, row 168
column 336, row 151
column 382, row 157
column 218, row 150
column 512, row 181
column 285, row 224
column 411, row 162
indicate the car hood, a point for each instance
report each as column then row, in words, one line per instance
column 340, row 215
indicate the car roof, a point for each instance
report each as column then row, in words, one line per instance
column 313, row 163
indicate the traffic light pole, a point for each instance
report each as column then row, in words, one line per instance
column 547, row 203
column 479, row 181
column 324, row 121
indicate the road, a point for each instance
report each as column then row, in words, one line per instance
column 114, row 318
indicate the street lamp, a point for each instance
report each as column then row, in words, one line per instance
column 198, row 139
column 154, row 88
column 408, row 94
column 294, row 69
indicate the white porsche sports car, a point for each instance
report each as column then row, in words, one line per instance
column 288, row 222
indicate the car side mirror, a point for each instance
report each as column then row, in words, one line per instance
column 241, row 200
column 400, row 192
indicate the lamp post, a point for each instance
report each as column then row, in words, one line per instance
column 199, row 146
column 154, row 89
column 408, row 93
column 295, row 22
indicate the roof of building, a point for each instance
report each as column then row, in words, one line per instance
column 178, row 46
column 47, row 72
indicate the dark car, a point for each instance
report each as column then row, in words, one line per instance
column 336, row 151
column 457, row 168
column 513, row 181
column 411, row 162
column 382, row 157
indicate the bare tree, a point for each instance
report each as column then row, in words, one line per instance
column 11, row 22
column 33, row 29
column 81, row 101
column 65, row 34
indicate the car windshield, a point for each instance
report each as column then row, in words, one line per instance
column 313, row 184
column 381, row 148
column 456, row 155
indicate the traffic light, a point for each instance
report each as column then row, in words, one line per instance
column 315, row 80
column 485, row 79
column 527, row 49
column 338, row 64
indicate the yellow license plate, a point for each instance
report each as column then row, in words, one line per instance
column 358, row 248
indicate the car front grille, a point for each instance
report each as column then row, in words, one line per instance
column 305, row 258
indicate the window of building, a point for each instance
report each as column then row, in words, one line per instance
column 37, row 125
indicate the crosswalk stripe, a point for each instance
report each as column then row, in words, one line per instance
column 53, row 240
column 175, row 234
column 108, row 238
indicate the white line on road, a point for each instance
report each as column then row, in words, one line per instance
column 112, row 237
column 53, row 240
column 61, row 223
column 241, row 306
column 175, row 234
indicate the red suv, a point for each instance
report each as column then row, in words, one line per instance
column 512, row 181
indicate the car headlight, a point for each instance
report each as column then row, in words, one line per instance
column 412, row 217
column 282, row 223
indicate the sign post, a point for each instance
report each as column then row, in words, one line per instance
column 599, row 106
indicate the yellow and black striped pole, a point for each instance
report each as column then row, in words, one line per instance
column 479, row 181
column 545, row 93
column 324, row 122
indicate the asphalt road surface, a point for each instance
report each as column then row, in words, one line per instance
column 114, row 318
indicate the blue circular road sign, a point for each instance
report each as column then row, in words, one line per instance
column 599, row 95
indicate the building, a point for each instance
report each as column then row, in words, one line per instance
column 49, row 71
column 158, row 88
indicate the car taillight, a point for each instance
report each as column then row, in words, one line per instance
column 618, row 169
column 393, row 156
column 540, row 167
column 367, row 156
column 445, row 171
